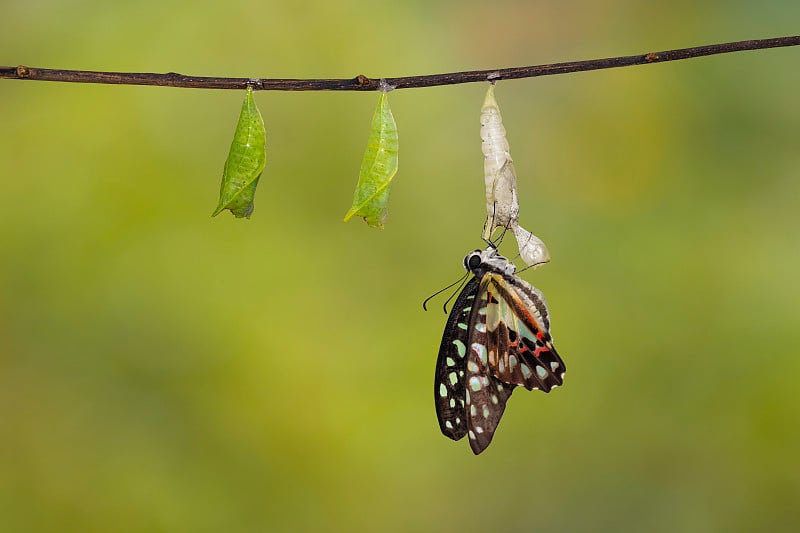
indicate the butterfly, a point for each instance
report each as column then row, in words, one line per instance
column 496, row 338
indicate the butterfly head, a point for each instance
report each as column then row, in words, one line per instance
column 489, row 260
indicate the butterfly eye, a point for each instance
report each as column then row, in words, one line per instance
column 474, row 261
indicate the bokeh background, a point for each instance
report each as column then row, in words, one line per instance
column 164, row 371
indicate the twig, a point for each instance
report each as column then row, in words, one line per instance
column 363, row 83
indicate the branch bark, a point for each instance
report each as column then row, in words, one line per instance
column 363, row 83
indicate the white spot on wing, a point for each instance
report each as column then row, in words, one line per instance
column 480, row 349
column 475, row 383
column 462, row 349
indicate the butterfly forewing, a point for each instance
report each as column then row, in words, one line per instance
column 451, row 365
column 520, row 350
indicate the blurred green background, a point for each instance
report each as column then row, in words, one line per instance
column 163, row 371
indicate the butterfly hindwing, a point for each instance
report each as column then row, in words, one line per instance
column 485, row 394
column 533, row 309
column 520, row 349
column 451, row 365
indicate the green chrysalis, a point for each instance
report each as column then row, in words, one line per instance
column 246, row 160
column 378, row 167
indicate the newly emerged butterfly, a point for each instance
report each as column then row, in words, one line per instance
column 496, row 338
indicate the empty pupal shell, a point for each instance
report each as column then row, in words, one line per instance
column 531, row 248
column 502, row 205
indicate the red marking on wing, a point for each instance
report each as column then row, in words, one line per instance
column 526, row 314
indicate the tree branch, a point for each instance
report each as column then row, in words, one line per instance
column 363, row 83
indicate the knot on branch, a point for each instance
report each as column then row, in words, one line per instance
column 363, row 81
column 23, row 71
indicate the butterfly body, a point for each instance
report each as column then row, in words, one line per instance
column 496, row 338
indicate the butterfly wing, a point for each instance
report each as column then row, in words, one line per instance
column 485, row 394
column 496, row 338
column 451, row 365
column 520, row 349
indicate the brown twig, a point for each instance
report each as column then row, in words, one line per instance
column 363, row 83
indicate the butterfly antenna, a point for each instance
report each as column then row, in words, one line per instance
column 437, row 293
column 462, row 280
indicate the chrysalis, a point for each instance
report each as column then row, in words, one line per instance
column 378, row 166
column 531, row 248
column 246, row 160
column 502, row 203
